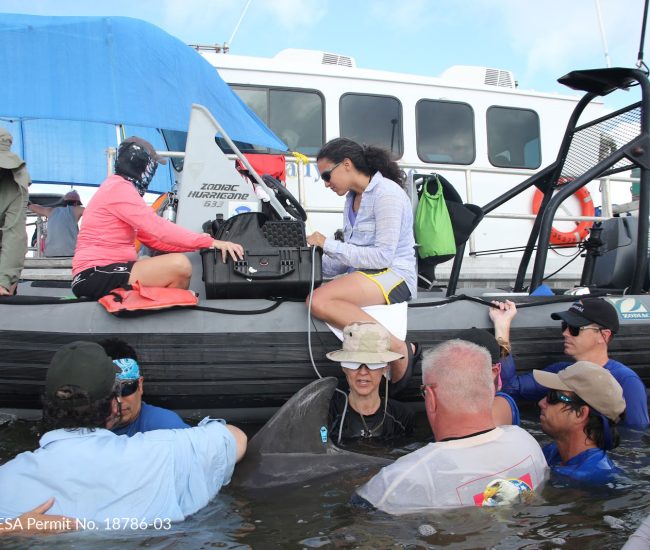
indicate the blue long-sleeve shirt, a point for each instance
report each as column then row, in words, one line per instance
column 380, row 237
column 523, row 386
column 590, row 466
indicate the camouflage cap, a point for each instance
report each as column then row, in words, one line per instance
column 367, row 343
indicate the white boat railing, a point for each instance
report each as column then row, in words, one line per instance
column 608, row 210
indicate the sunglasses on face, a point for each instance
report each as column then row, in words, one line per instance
column 129, row 388
column 575, row 331
column 327, row 174
column 553, row 397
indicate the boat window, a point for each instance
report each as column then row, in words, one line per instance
column 176, row 141
column 372, row 119
column 513, row 138
column 445, row 132
column 295, row 116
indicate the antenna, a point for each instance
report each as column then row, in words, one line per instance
column 639, row 58
column 241, row 17
column 602, row 34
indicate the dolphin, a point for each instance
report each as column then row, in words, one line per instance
column 294, row 445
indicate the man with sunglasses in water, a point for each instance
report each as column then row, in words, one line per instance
column 580, row 412
column 135, row 415
column 588, row 327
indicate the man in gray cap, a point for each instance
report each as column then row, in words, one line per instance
column 158, row 477
column 62, row 224
column 14, row 181
column 588, row 327
column 580, row 412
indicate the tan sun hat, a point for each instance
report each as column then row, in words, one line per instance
column 8, row 160
column 367, row 343
column 593, row 384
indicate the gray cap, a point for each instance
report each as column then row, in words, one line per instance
column 84, row 365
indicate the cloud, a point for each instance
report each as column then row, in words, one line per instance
column 559, row 35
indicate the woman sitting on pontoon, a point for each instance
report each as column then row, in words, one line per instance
column 376, row 262
column 105, row 257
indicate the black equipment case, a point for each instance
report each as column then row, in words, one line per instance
column 277, row 261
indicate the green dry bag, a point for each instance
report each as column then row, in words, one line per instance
column 433, row 231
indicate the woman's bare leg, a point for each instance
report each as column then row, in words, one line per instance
column 339, row 303
column 169, row 270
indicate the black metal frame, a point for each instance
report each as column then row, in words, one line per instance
column 598, row 82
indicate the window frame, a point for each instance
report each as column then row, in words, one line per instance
column 487, row 137
column 267, row 89
column 417, row 130
column 383, row 96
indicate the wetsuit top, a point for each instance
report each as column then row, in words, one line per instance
column 151, row 418
column 523, row 386
column 397, row 422
column 591, row 466
column 516, row 418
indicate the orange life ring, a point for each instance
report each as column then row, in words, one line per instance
column 582, row 228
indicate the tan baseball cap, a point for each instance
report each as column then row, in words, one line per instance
column 367, row 343
column 590, row 382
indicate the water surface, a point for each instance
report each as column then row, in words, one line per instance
column 318, row 515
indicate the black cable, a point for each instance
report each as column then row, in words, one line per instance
column 575, row 256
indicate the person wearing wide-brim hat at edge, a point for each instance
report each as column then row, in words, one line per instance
column 14, row 184
column 365, row 413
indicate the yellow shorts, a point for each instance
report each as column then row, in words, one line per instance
column 393, row 287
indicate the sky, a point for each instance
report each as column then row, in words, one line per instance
column 538, row 40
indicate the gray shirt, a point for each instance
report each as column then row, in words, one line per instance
column 62, row 231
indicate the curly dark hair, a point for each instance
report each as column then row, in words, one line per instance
column 72, row 408
column 368, row 159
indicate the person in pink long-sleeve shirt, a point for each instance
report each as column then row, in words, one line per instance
column 105, row 257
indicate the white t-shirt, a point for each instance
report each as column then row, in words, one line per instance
column 456, row 473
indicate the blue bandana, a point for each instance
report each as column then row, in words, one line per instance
column 130, row 369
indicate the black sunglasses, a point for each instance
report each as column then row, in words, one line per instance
column 575, row 331
column 327, row 174
column 129, row 388
column 553, row 397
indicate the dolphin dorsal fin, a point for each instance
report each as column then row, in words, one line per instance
column 296, row 427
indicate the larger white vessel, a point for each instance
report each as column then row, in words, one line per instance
column 473, row 125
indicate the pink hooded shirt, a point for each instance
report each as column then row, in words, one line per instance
column 115, row 217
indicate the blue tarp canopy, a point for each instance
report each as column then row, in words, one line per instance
column 67, row 81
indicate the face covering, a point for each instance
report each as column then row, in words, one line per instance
column 134, row 163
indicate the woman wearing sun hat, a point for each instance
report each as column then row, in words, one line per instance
column 364, row 413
